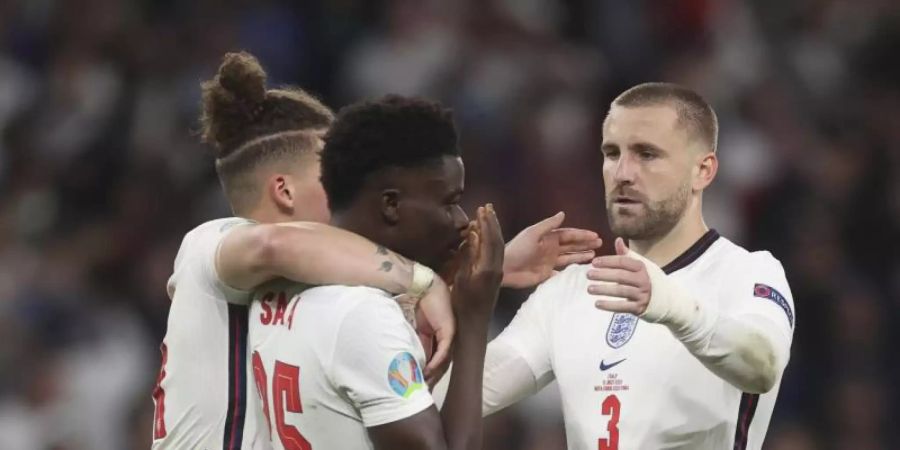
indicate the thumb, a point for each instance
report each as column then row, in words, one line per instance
column 621, row 248
column 549, row 224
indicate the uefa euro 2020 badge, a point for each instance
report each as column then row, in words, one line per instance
column 404, row 375
column 621, row 329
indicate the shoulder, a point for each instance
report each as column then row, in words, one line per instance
column 739, row 260
column 572, row 279
column 358, row 305
column 207, row 234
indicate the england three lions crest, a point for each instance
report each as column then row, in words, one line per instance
column 621, row 329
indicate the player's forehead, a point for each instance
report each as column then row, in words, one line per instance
column 656, row 124
column 443, row 177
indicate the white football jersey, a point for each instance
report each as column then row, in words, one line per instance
column 331, row 361
column 630, row 384
column 201, row 394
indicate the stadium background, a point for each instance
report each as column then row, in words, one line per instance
column 102, row 173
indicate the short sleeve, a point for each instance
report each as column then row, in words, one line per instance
column 762, row 293
column 377, row 363
column 207, row 252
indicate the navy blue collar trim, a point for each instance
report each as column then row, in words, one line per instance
column 691, row 254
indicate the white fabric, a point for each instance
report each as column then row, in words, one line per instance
column 344, row 341
column 507, row 379
column 666, row 397
column 198, row 342
column 741, row 349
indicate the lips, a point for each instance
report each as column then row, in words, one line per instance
column 626, row 201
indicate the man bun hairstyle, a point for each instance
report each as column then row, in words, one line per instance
column 370, row 136
column 248, row 124
column 694, row 112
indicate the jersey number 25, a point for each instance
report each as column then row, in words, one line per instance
column 286, row 397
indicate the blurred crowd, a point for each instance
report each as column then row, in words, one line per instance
column 102, row 173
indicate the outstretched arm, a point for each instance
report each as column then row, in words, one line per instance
column 748, row 347
column 534, row 253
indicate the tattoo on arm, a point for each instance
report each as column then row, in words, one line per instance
column 393, row 258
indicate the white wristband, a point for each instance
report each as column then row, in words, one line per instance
column 673, row 306
column 422, row 279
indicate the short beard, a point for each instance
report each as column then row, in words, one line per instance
column 658, row 217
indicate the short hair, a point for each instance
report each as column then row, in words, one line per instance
column 694, row 112
column 370, row 136
column 249, row 125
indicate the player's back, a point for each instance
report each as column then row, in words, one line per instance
column 320, row 387
column 201, row 395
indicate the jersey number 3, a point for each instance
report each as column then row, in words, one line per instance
column 610, row 407
column 286, row 397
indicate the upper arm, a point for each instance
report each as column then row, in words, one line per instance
column 764, row 305
column 199, row 258
column 764, row 294
column 377, row 363
column 242, row 256
column 421, row 431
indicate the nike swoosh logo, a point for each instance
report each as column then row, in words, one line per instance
column 605, row 367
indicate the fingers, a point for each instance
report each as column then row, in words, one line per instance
column 492, row 241
column 441, row 356
column 618, row 262
column 576, row 240
column 618, row 276
column 574, row 258
column 614, row 290
column 549, row 224
column 621, row 248
column 436, row 375
column 471, row 247
column 618, row 306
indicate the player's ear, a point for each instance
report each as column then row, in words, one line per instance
column 390, row 206
column 707, row 167
column 282, row 191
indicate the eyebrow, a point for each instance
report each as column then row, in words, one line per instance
column 646, row 146
column 609, row 146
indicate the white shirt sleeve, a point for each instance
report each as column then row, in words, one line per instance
column 763, row 301
column 508, row 379
column 377, row 363
column 518, row 361
column 198, row 255
column 744, row 339
column 762, row 292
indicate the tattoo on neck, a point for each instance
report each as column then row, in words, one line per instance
column 381, row 250
column 386, row 266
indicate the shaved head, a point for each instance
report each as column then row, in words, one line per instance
column 694, row 112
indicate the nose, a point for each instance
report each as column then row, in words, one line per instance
column 460, row 219
column 624, row 171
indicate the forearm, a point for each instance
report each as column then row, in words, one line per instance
column 461, row 422
column 321, row 254
column 738, row 349
column 740, row 352
column 508, row 378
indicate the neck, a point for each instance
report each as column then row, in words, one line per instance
column 666, row 248
column 265, row 213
